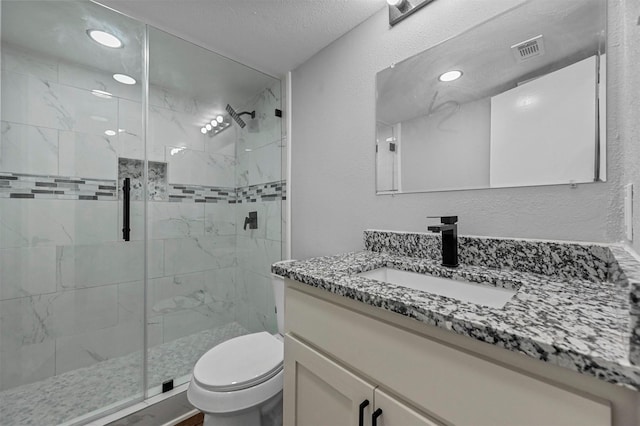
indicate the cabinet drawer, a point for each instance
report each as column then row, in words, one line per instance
column 448, row 383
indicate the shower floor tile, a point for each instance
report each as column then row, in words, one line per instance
column 75, row 393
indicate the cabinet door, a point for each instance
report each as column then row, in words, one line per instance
column 319, row 392
column 395, row 413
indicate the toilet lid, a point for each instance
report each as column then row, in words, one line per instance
column 240, row 363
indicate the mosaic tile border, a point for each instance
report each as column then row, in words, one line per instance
column 201, row 194
column 28, row 186
column 271, row 191
column 555, row 259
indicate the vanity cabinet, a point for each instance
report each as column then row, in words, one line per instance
column 338, row 354
column 329, row 394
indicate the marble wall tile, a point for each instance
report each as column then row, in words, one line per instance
column 257, row 255
column 260, row 165
column 28, row 100
column 224, row 143
column 38, row 319
column 199, row 168
column 22, row 222
column 27, row 271
column 83, row 310
column 89, row 79
column 131, row 134
column 21, row 62
column 220, row 219
column 185, row 255
column 164, row 98
column 109, row 263
column 189, row 321
column 20, row 365
column 266, row 127
column 28, row 149
column 86, row 155
column 130, row 302
column 176, row 220
column 32, row 101
column 173, row 128
column 252, row 291
column 177, row 293
column 86, row 349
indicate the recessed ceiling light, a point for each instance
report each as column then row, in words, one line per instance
column 203, row 130
column 124, row 79
column 101, row 94
column 214, row 122
column 450, row 75
column 219, row 119
column 105, row 38
column 110, row 132
column 208, row 126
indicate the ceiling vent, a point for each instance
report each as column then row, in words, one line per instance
column 528, row 49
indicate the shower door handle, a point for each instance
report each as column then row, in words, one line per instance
column 126, row 202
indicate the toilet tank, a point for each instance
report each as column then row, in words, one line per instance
column 278, row 293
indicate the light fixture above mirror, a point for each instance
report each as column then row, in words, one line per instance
column 400, row 9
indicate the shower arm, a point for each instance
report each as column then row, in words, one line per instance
column 251, row 113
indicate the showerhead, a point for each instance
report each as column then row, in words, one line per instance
column 236, row 116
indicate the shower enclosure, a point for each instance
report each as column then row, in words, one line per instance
column 92, row 319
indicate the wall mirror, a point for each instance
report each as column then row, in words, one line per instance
column 518, row 100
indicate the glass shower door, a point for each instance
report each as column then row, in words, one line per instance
column 211, row 170
column 71, row 287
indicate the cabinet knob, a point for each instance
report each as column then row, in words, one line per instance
column 363, row 405
column 375, row 415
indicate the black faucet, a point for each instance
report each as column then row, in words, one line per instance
column 449, row 231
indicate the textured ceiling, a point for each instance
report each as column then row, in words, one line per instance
column 273, row 36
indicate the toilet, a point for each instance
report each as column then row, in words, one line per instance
column 239, row 382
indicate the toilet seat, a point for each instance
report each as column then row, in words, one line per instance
column 238, row 374
column 240, row 363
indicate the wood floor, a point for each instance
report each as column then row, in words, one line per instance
column 196, row 420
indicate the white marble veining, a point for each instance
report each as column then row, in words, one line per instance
column 187, row 166
column 90, row 78
column 259, row 165
column 176, row 220
column 27, row 271
column 107, row 263
column 20, row 62
column 257, row 255
column 28, row 149
column 220, row 219
column 266, row 127
column 23, row 223
column 184, row 255
column 174, row 128
column 87, row 155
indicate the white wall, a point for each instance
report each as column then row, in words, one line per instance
column 333, row 132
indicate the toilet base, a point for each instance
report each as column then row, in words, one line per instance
column 268, row 413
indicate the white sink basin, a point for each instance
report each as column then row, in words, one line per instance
column 480, row 294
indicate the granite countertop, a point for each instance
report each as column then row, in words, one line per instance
column 576, row 323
